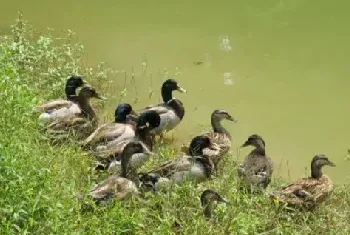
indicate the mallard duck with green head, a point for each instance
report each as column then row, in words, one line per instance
column 307, row 193
column 121, row 186
column 171, row 111
column 120, row 129
column 109, row 155
column 60, row 108
column 196, row 166
column 82, row 122
column 219, row 135
column 256, row 170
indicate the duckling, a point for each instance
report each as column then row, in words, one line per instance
column 123, row 186
column 197, row 167
column 257, row 167
column 171, row 111
column 82, row 121
column 306, row 193
column 58, row 108
column 209, row 198
column 122, row 128
column 219, row 136
column 144, row 126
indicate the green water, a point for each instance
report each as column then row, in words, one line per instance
column 288, row 62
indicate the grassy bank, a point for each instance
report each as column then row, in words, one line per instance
column 42, row 186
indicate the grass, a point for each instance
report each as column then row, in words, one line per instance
column 43, row 187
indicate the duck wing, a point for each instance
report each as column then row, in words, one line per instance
column 315, row 187
column 254, row 164
column 65, row 123
column 111, row 149
column 109, row 132
column 160, row 109
column 169, row 168
column 68, row 111
column 54, row 105
column 113, row 186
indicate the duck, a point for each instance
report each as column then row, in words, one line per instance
column 59, row 108
column 122, row 128
column 109, row 155
column 307, row 193
column 121, row 186
column 256, row 170
column 209, row 200
column 171, row 111
column 196, row 166
column 82, row 121
column 219, row 135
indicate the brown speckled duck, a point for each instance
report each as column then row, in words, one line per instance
column 219, row 135
column 209, row 199
column 307, row 193
column 121, row 186
column 256, row 170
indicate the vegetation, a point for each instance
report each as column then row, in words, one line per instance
column 44, row 187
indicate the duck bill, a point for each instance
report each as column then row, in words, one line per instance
column 180, row 89
column 232, row 119
column 245, row 144
column 225, row 200
column 133, row 113
column 331, row 163
column 98, row 96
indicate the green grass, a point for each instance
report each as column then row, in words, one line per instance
column 43, row 187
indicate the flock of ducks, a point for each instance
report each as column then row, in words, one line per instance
column 124, row 145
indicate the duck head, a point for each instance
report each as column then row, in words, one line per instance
column 88, row 92
column 199, row 143
column 122, row 111
column 72, row 84
column 168, row 87
column 319, row 161
column 129, row 149
column 221, row 114
column 208, row 199
column 255, row 141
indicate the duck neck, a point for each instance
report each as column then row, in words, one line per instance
column 71, row 92
column 145, row 137
column 179, row 110
column 87, row 109
column 218, row 128
column 119, row 118
column 316, row 171
column 125, row 160
column 167, row 94
column 206, row 164
column 260, row 148
column 208, row 209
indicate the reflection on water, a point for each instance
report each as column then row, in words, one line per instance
column 279, row 66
